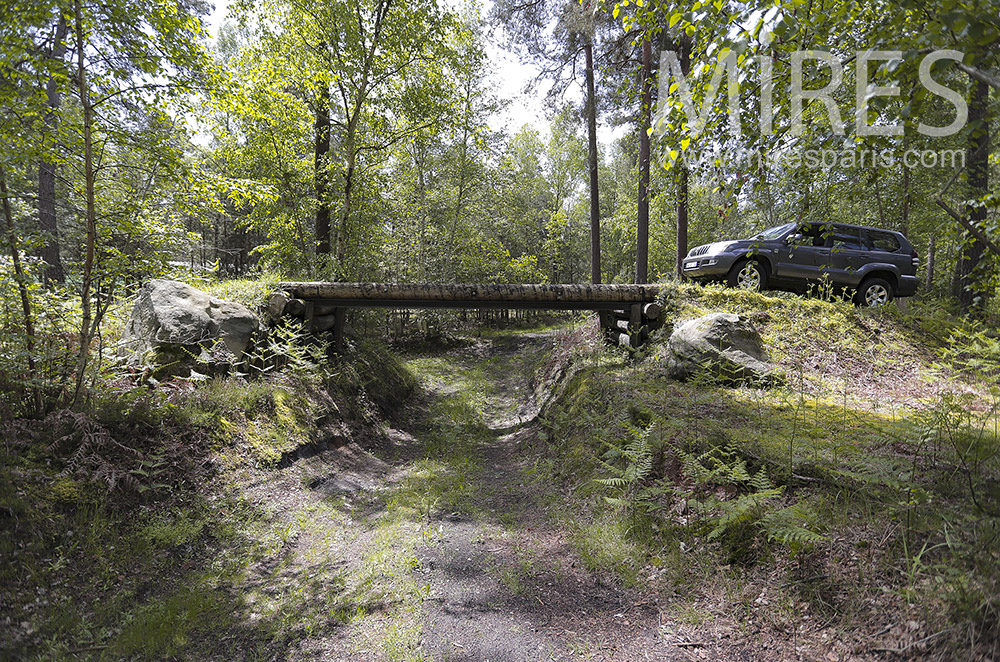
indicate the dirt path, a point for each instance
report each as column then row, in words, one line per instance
column 503, row 582
column 449, row 539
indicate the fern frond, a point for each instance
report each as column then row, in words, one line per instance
column 790, row 526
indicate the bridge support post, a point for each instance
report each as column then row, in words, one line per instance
column 310, row 316
column 635, row 325
column 340, row 317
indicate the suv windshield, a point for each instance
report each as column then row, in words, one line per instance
column 773, row 233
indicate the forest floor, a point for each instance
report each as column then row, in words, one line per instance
column 523, row 495
column 453, row 540
column 463, row 539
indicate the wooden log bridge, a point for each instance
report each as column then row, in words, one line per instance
column 627, row 312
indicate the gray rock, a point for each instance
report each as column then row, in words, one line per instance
column 721, row 345
column 175, row 327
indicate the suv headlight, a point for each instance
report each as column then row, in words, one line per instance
column 719, row 247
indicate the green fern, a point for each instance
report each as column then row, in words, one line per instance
column 631, row 467
column 721, row 466
column 791, row 526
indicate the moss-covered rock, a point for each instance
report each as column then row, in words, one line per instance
column 722, row 345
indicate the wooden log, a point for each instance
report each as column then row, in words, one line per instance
column 340, row 320
column 651, row 311
column 324, row 308
column 296, row 307
column 323, row 323
column 277, row 303
column 625, row 327
column 466, row 294
column 620, row 338
column 635, row 315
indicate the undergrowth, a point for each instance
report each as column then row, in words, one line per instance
column 832, row 472
column 126, row 527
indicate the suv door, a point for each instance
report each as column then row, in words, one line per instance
column 803, row 258
column 847, row 254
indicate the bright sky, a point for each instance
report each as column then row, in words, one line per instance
column 511, row 76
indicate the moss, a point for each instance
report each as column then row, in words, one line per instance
column 385, row 379
column 66, row 491
column 173, row 529
column 251, row 292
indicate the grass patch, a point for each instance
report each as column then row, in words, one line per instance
column 607, row 546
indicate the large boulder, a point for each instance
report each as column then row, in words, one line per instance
column 177, row 329
column 722, row 346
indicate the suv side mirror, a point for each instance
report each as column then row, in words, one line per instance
column 792, row 238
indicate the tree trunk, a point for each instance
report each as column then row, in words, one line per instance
column 682, row 176
column 970, row 294
column 47, row 222
column 321, row 162
column 553, row 296
column 931, row 255
column 462, row 166
column 418, row 163
column 91, row 211
column 904, row 214
column 22, row 288
column 353, row 114
column 595, row 205
column 645, row 114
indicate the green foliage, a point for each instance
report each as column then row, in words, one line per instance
column 251, row 292
column 173, row 529
column 168, row 626
column 793, row 526
column 632, row 461
column 973, row 349
column 287, row 345
column 745, row 505
column 55, row 314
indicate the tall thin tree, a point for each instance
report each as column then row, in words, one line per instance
column 645, row 115
column 595, row 202
column 970, row 294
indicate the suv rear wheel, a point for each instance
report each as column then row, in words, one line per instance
column 874, row 293
column 748, row 275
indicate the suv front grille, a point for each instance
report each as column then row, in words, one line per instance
column 700, row 250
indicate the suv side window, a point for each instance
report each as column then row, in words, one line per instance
column 881, row 241
column 812, row 235
column 846, row 238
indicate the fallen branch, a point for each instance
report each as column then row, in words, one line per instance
column 911, row 644
column 980, row 75
column 968, row 225
column 86, row 649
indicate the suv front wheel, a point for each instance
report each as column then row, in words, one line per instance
column 748, row 275
column 874, row 293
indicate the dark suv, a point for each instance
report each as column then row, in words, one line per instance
column 877, row 265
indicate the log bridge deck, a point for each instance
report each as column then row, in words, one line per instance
column 627, row 312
